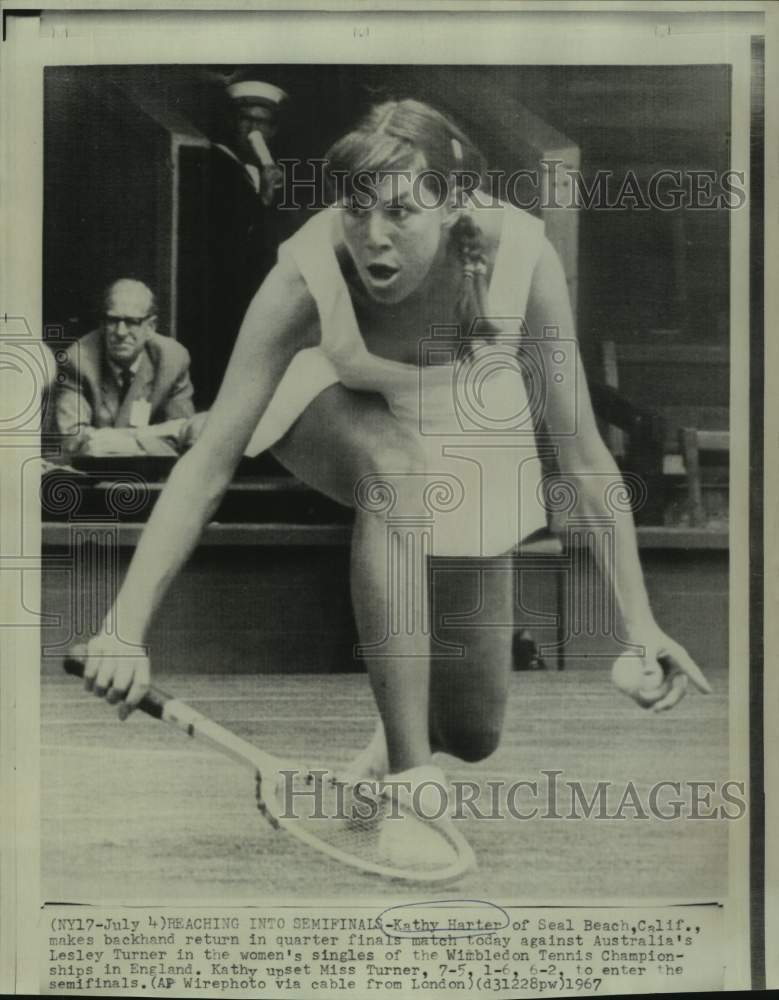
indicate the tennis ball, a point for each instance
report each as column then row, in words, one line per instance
column 642, row 679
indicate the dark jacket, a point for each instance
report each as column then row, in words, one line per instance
column 87, row 393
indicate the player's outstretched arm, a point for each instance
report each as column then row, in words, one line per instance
column 281, row 320
column 587, row 467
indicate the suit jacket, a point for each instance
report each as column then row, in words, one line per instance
column 88, row 395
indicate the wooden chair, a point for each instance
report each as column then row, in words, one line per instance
column 687, row 385
column 635, row 436
column 693, row 441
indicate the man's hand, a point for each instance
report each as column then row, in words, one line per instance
column 678, row 669
column 102, row 441
column 116, row 671
column 192, row 430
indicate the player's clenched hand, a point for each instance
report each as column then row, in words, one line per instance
column 116, row 671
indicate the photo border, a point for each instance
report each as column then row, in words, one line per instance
column 18, row 78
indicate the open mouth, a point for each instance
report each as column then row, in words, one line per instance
column 382, row 273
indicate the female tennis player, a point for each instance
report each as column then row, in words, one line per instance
column 381, row 361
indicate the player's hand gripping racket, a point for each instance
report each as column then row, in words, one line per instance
column 376, row 833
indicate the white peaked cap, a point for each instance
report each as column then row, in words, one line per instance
column 258, row 89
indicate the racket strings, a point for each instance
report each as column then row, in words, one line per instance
column 359, row 824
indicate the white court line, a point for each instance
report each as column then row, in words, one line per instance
column 482, row 776
column 302, row 695
column 569, row 677
column 175, row 811
column 601, row 691
column 239, row 720
column 194, row 748
column 583, row 676
column 616, row 783
column 259, row 718
column 227, row 700
column 165, row 751
column 58, row 678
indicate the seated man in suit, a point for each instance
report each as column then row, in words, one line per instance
column 126, row 389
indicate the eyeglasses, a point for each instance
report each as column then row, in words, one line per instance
column 131, row 322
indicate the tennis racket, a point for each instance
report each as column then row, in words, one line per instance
column 353, row 823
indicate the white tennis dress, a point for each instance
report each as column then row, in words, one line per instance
column 469, row 409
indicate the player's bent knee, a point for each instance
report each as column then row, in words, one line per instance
column 473, row 744
column 399, row 454
column 396, row 473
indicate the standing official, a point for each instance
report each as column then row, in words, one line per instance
column 230, row 224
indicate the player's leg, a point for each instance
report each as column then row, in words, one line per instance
column 342, row 438
column 473, row 605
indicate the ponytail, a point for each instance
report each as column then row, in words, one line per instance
column 472, row 307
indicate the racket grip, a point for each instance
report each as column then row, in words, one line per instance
column 152, row 703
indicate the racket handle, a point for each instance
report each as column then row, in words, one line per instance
column 152, row 703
